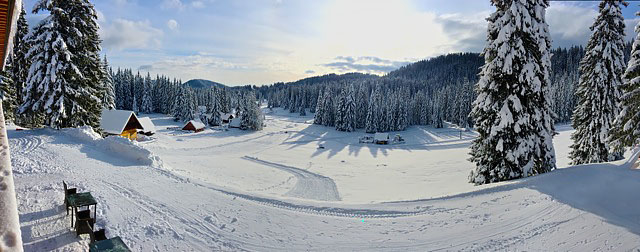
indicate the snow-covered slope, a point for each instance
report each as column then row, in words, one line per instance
column 272, row 191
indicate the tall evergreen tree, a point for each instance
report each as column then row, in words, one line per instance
column 373, row 113
column 626, row 128
column 19, row 63
column 108, row 89
column 183, row 108
column 513, row 111
column 214, row 108
column 251, row 117
column 65, row 74
column 8, row 96
column 319, row 116
column 598, row 90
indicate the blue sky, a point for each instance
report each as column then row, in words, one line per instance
column 240, row 42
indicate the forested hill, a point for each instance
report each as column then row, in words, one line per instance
column 426, row 92
column 442, row 69
column 199, row 83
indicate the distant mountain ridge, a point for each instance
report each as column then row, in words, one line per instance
column 200, row 83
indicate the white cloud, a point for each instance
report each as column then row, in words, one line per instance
column 172, row 4
column 367, row 64
column 569, row 24
column 466, row 33
column 172, row 24
column 125, row 34
column 197, row 4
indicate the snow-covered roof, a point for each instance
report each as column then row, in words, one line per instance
column 147, row 124
column 235, row 123
column 381, row 136
column 114, row 121
column 226, row 116
column 196, row 124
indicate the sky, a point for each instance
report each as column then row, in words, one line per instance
column 240, row 42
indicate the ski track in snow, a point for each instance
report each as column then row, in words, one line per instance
column 308, row 185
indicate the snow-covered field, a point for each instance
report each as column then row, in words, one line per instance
column 276, row 190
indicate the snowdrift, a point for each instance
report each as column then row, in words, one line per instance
column 119, row 146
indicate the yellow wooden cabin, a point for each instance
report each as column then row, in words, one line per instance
column 122, row 123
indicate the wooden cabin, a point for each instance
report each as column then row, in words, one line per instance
column 226, row 117
column 122, row 123
column 381, row 138
column 193, row 125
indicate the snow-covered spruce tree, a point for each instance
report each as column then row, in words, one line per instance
column 598, row 95
column 65, row 75
column 512, row 112
column 183, row 108
column 328, row 117
column 626, row 128
column 19, row 62
column 213, row 108
column 346, row 113
column 146, row 106
column 373, row 113
column 108, row 89
column 8, row 96
column 251, row 115
column 361, row 106
column 318, row 117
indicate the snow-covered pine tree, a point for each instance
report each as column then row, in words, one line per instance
column 108, row 89
column 19, row 62
column 350, row 110
column 512, row 112
column 146, row 106
column 626, row 128
column 251, row 115
column 361, row 106
column 318, row 117
column 373, row 115
column 213, row 108
column 598, row 89
column 341, row 110
column 329, row 115
column 8, row 96
column 65, row 74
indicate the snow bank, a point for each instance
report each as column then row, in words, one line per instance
column 131, row 150
column 84, row 133
column 116, row 145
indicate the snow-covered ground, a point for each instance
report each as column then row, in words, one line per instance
column 277, row 190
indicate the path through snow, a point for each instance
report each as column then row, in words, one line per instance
column 308, row 185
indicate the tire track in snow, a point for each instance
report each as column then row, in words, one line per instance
column 309, row 185
column 25, row 144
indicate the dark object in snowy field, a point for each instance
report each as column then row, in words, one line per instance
column 84, row 223
column 321, row 146
column 99, row 235
column 19, row 129
column 67, row 191
column 398, row 139
column 78, row 200
column 366, row 139
column 113, row 244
